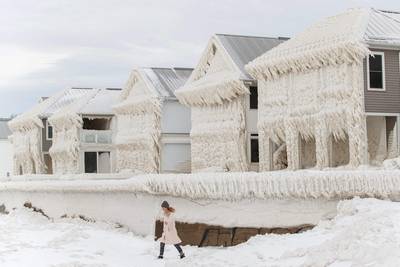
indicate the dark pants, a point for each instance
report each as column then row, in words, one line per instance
column 177, row 246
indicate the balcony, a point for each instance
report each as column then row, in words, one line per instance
column 96, row 136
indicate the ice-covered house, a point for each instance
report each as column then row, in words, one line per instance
column 223, row 101
column 152, row 126
column 330, row 96
column 69, row 132
column 6, row 151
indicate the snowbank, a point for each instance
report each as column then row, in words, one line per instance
column 366, row 232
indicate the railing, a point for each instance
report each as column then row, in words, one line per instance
column 96, row 136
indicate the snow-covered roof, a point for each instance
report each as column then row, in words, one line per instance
column 166, row 80
column 220, row 73
column 67, row 97
column 100, row 103
column 82, row 101
column 146, row 87
column 334, row 40
column 97, row 102
column 4, row 129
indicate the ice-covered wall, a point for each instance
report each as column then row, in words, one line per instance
column 218, row 136
column 216, row 95
column 311, row 86
column 138, row 127
column 271, row 199
column 66, row 142
column 318, row 104
column 123, row 207
column 27, row 147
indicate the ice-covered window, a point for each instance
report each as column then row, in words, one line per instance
column 97, row 162
column 96, row 124
column 376, row 71
column 253, row 97
column 254, row 148
column 49, row 131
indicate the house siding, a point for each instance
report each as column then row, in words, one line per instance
column 46, row 144
column 386, row 101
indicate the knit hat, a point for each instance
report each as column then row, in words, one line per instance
column 164, row 204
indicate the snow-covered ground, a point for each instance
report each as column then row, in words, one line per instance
column 366, row 232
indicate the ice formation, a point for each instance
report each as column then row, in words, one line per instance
column 26, row 139
column 138, row 133
column 319, row 77
column 67, row 123
column 234, row 186
column 216, row 94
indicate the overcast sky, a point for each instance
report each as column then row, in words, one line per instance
column 48, row 45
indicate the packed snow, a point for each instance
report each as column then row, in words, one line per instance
column 366, row 232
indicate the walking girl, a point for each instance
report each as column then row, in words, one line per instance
column 169, row 235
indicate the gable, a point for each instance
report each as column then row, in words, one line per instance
column 215, row 60
column 136, row 86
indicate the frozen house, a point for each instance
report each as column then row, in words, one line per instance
column 6, row 150
column 69, row 132
column 152, row 133
column 223, row 101
column 330, row 96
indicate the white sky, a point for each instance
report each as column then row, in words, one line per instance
column 48, row 45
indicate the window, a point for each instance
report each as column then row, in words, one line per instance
column 90, row 162
column 254, row 157
column 97, row 162
column 49, row 131
column 376, row 71
column 96, row 124
column 253, row 97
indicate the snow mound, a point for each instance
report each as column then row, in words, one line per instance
column 366, row 232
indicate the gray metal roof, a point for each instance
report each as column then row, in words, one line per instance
column 243, row 49
column 383, row 27
column 167, row 80
column 4, row 129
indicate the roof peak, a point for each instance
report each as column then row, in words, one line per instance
column 389, row 11
column 165, row 68
column 253, row 36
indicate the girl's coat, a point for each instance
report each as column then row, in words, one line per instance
column 169, row 235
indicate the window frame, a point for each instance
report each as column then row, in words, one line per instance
column 47, row 131
column 383, row 89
